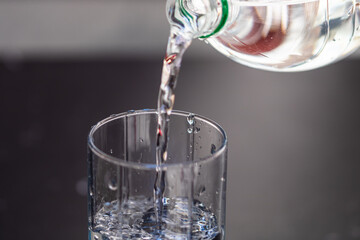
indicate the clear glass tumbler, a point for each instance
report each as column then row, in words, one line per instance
column 122, row 170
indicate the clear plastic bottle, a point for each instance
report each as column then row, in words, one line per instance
column 276, row 35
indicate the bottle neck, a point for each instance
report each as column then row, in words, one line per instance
column 197, row 18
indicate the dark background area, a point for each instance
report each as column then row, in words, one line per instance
column 294, row 148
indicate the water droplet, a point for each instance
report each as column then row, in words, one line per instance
column 202, row 189
column 135, row 190
column 96, row 237
column 141, row 140
column 197, row 129
column 112, row 184
column 217, row 193
column 222, row 179
column 189, row 130
column 111, row 151
column 213, row 149
column 140, row 158
column 190, row 119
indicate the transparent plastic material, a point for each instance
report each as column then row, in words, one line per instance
column 121, row 176
column 276, row 35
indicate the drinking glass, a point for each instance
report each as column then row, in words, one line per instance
column 122, row 173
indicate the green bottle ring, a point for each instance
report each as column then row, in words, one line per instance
column 224, row 16
column 183, row 10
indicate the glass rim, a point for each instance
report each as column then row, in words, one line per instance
column 153, row 166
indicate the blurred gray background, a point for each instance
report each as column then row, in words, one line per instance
column 294, row 139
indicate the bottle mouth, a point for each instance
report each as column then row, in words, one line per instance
column 220, row 25
column 224, row 16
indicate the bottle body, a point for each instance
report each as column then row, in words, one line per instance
column 288, row 35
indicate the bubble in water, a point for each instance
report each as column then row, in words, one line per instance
column 190, row 119
column 189, row 130
column 125, row 206
column 213, row 149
